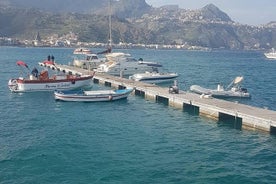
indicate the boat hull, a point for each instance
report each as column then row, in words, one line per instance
column 270, row 55
column 92, row 96
column 154, row 78
column 27, row 85
column 219, row 94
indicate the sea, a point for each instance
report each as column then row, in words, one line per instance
column 136, row 140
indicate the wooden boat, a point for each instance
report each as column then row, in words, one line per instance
column 233, row 90
column 154, row 77
column 43, row 82
column 92, row 96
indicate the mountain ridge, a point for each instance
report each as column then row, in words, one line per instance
column 134, row 21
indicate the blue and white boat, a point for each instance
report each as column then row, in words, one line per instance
column 92, row 95
column 154, row 77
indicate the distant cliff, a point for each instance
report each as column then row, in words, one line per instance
column 133, row 21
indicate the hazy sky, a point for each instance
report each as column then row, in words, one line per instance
column 252, row 12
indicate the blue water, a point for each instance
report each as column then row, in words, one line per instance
column 135, row 140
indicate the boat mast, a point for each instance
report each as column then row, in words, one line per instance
column 110, row 38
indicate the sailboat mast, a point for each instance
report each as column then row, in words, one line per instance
column 110, row 38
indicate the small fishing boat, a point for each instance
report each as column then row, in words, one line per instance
column 92, row 96
column 154, row 77
column 233, row 90
column 36, row 81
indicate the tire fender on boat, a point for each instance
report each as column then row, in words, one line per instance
column 13, row 84
column 73, row 81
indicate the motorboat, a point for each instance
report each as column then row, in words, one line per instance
column 42, row 81
column 88, row 61
column 82, row 50
column 271, row 55
column 154, row 77
column 234, row 89
column 92, row 95
column 123, row 64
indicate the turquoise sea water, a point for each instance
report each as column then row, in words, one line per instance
column 135, row 140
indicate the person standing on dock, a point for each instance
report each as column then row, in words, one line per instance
column 53, row 58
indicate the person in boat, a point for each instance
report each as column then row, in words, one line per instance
column 53, row 58
column 35, row 72
column 49, row 58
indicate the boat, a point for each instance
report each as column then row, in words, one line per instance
column 42, row 81
column 88, row 61
column 154, row 77
column 234, row 89
column 92, row 95
column 123, row 64
column 82, row 50
column 271, row 54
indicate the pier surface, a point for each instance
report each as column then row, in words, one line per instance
column 248, row 116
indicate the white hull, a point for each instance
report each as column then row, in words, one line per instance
column 153, row 77
column 271, row 55
column 122, row 64
column 87, row 64
column 88, row 61
column 93, row 96
column 82, row 51
column 27, row 85
column 127, row 70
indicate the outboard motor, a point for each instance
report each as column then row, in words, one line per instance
column 174, row 89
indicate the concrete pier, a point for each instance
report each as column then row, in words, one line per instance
column 250, row 117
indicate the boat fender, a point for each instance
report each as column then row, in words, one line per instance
column 110, row 97
column 13, row 84
column 73, row 81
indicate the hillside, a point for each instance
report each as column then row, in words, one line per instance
column 133, row 21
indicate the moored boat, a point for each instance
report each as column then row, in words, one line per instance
column 88, row 61
column 124, row 64
column 82, row 50
column 92, row 96
column 36, row 81
column 154, row 77
column 233, row 90
column 271, row 55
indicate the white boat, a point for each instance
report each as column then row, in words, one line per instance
column 92, row 96
column 123, row 64
column 271, row 55
column 82, row 50
column 234, row 89
column 88, row 61
column 36, row 81
column 154, row 77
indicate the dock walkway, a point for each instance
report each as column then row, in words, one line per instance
column 250, row 117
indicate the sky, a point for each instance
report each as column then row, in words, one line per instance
column 251, row 12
